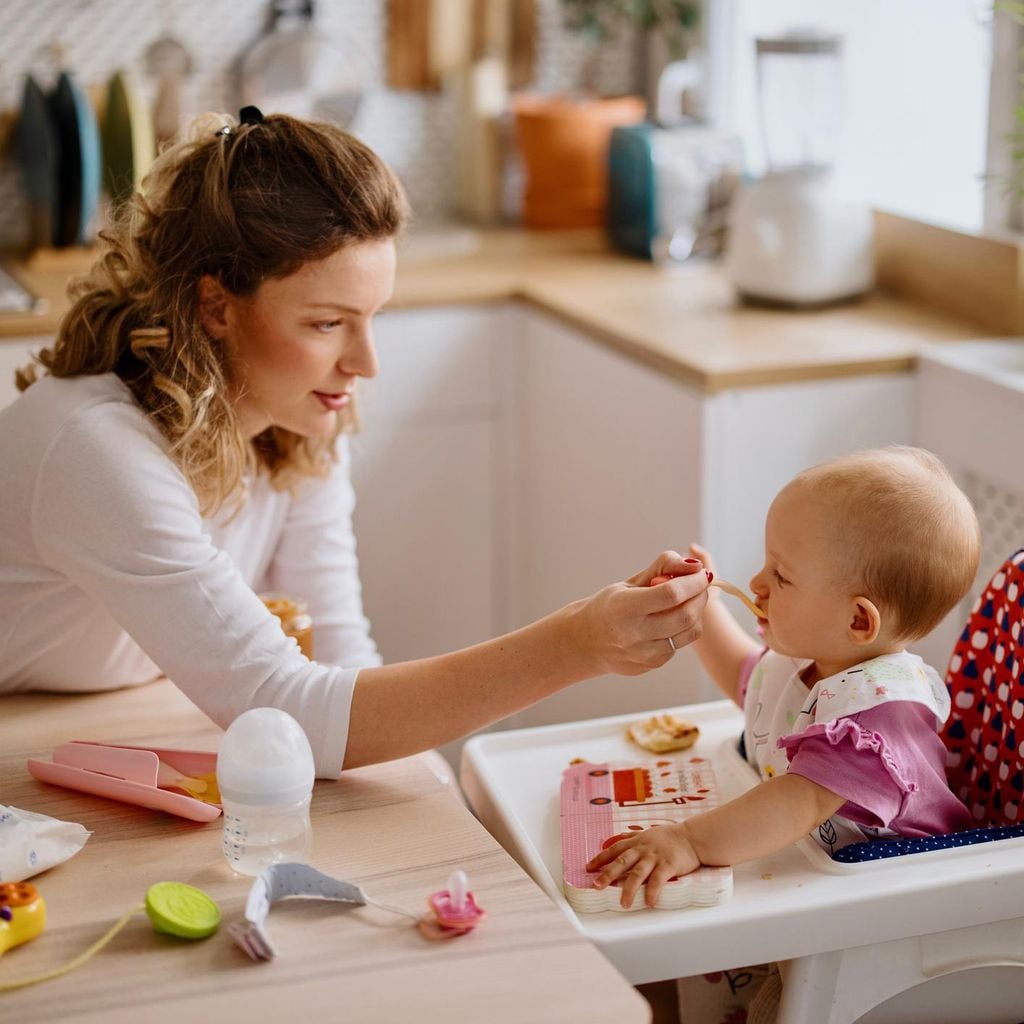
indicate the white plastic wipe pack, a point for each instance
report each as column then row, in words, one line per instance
column 30, row 842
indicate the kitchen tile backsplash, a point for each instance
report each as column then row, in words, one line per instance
column 414, row 131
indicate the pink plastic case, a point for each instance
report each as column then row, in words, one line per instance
column 128, row 774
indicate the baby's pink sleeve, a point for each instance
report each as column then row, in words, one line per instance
column 879, row 760
column 853, row 762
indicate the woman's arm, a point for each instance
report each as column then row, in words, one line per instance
column 768, row 818
column 401, row 709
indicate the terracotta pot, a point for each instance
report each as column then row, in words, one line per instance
column 564, row 146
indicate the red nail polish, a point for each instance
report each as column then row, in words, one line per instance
column 710, row 575
column 692, row 561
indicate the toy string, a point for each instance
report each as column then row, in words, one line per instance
column 6, row 986
column 391, row 908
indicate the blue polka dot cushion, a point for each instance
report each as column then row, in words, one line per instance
column 882, row 849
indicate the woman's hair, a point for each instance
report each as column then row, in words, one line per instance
column 906, row 536
column 255, row 202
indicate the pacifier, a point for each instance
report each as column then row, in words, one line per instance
column 455, row 910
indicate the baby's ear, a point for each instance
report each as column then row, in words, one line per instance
column 865, row 622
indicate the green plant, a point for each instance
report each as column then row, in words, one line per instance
column 1015, row 139
column 597, row 20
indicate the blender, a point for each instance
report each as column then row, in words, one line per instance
column 794, row 238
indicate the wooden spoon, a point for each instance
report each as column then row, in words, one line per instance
column 731, row 588
column 202, row 787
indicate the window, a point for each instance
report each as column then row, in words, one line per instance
column 915, row 97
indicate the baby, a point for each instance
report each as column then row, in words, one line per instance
column 863, row 554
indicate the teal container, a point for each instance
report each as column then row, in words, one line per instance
column 632, row 207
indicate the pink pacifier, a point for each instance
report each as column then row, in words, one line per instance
column 454, row 909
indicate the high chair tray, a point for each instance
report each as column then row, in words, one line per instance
column 792, row 903
column 128, row 774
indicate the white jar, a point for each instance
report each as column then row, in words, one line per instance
column 265, row 775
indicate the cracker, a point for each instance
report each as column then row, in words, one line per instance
column 663, row 733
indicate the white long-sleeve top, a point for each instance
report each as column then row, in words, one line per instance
column 109, row 575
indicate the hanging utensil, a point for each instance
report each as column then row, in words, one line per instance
column 296, row 70
column 127, row 138
column 38, row 157
column 80, row 166
column 170, row 62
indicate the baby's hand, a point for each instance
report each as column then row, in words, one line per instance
column 655, row 855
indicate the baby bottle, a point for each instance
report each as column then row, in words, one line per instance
column 265, row 774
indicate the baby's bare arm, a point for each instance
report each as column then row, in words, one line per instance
column 723, row 645
column 765, row 819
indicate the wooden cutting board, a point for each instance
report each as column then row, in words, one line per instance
column 408, row 42
column 427, row 38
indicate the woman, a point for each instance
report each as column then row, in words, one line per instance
column 186, row 449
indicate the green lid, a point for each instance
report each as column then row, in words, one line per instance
column 182, row 910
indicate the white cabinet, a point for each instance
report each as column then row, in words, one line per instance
column 607, row 475
column 427, row 469
column 755, row 440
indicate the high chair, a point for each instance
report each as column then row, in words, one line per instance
column 874, row 921
column 984, row 736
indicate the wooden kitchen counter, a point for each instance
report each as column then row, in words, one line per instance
column 684, row 321
column 393, row 828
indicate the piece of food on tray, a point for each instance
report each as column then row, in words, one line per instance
column 663, row 733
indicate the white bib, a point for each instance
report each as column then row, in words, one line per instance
column 779, row 703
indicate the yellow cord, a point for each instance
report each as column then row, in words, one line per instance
column 6, row 986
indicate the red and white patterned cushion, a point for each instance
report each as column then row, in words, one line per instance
column 984, row 734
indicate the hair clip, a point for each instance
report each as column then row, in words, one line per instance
column 250, row 115
column 226, row 130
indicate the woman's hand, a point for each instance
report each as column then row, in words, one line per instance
column 696, row 551
column 623, row 628
column 654, row 856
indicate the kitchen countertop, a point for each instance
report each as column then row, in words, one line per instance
column 393, row 828
column 683, row 321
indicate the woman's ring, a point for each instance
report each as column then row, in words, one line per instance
column 672, row 644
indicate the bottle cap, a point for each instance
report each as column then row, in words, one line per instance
column 182, row 910
column 265, row 759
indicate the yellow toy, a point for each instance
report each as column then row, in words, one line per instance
column 22, row 914
column 173, row 908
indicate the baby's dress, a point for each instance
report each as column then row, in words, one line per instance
column 869, row 734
